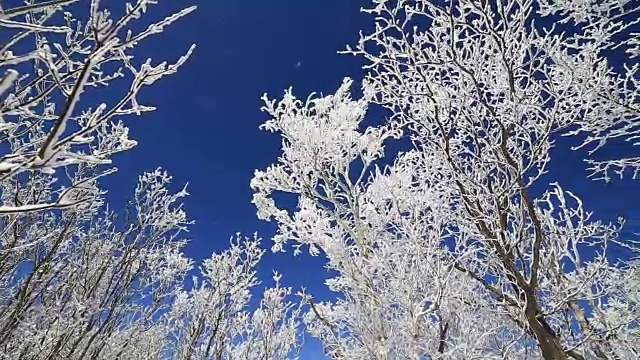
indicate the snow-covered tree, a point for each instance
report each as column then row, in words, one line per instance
column 458, row 246
column 97, row 287
column 68, row 274
column 112, row 286
column 81, row 280
column 212, row 322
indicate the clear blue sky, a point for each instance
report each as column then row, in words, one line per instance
column 205, row 130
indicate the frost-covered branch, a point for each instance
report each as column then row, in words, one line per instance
column 54, row 61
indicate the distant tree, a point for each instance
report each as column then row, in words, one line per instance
column 458, row 247
column 95, row 288
column 79, row 280
column 112, row 288
column 211, row 321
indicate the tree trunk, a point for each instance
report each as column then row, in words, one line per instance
column 548, row 341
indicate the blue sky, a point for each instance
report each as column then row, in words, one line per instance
column 205, row 130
